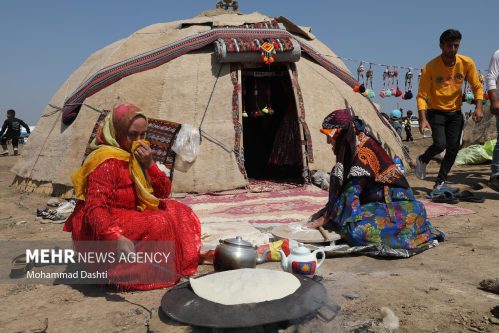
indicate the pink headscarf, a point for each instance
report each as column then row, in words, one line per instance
column 115, row 129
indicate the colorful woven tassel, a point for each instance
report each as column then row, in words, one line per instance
column 268, row 53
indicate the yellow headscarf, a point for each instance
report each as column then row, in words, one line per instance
column 107, row 145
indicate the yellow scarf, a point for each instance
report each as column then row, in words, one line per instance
column 104, row 152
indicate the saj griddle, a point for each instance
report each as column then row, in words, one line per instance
column 183, row 305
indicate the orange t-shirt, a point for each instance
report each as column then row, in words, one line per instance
column 440, row 86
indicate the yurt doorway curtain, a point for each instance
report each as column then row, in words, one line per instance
column 271, row 132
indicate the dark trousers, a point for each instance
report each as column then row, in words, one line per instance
column 14, row 138
column 408, row 133
column 446, row 128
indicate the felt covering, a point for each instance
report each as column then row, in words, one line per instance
column 185, row 90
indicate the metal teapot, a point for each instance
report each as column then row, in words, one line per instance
column 235, row 253
column 301, row 260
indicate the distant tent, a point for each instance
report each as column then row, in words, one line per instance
column 207, row 71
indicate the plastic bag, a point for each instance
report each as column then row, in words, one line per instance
column 474, row 154
column 489, row 147
column 187, row 143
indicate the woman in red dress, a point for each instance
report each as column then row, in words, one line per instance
column 120, row 188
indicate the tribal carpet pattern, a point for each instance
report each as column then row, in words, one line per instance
column 152, row 59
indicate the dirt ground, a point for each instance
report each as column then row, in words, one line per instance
column 436, row 291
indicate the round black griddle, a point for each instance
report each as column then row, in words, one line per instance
column 183, row 305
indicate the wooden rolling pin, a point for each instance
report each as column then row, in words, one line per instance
column 324, row 233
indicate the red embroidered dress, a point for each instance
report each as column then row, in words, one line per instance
column 110, row 211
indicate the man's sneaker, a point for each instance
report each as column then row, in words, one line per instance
column 420, row 168
column 66, row 207
column 16, row 152
column 4, row 153
column 442, row 186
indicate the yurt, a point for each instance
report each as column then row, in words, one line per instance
column 485, row 130
column 255, row 87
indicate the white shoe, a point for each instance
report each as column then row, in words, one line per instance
column 66, row 207
column 4, row 153
column 420, row 169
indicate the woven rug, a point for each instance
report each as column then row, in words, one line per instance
column 441, row 209
column 270, row 209
column 160, row 134
column 262, row 185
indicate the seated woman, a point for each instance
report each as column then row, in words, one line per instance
column 370, row 201
column 119, row 188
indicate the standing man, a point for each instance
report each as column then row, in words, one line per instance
column 13, row 127
column 492, row 80
column 439, row 104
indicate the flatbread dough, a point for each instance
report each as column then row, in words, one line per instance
column 243, row 286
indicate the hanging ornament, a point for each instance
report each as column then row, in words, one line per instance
column 245, row 114
column 481, row 77
column 369, row 77
column 361, row 86
column 408, row 84
column 385, row 92
column 255, row 114
column 268, row 52
column 468, row 94
column 360, row 72
column 393, row 75
column 408, row 95
column 398, row 92
column 267, row 109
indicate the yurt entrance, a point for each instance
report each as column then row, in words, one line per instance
column 271, row 132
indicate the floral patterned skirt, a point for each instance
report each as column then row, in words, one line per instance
column 400, row 222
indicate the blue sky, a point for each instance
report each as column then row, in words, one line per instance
column 43, row 42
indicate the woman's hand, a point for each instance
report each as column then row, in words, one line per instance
column 144, row 155
column 316, row 223
column 125, row 246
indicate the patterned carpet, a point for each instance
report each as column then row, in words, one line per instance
column 269, row 209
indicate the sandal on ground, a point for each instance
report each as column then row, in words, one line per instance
column 494, row 184
column 444, row 197
column 19, row 267
column 469, row 197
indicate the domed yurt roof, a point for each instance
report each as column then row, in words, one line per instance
column 209, row 72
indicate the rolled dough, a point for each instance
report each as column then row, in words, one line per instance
column 243, row 286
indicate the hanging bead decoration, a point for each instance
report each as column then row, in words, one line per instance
column 408, row 85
